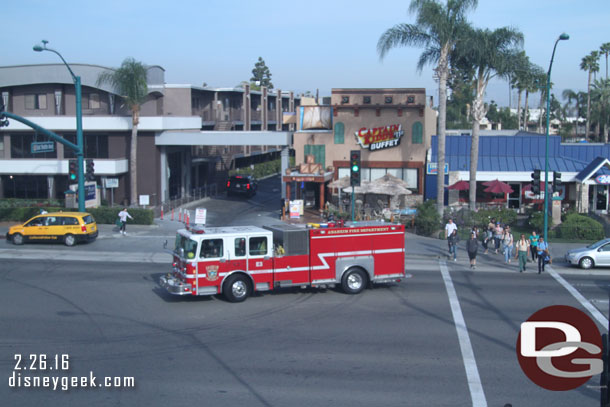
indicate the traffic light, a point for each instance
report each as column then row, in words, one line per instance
column 73, row 170
column 556, row 181
column 354, row 167
column 536, row 182
column 90, row 170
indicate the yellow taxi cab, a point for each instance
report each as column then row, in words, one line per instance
column 66, row 227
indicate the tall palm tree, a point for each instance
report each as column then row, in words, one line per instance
column 605, row 50
column 437, row 28
column 578, row 109
column 600, row 94
column 518, row 81
column 490, row 54
column 129, row 81
column 591, row 65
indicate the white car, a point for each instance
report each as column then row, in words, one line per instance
column 596, row 254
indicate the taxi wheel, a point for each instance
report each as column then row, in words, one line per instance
column 354, row 281
column 18, row 239
column 69, row 240
column 236, row 288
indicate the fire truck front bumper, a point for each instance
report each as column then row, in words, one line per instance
column 175, row 286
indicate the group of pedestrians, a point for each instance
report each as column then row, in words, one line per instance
column 497, row 236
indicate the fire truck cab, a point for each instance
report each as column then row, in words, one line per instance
column 237, row 261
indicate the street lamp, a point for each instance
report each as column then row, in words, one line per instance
column 562, row 37
column 79, row 125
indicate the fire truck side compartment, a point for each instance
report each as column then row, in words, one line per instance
column 367, row 263
column 295, row 240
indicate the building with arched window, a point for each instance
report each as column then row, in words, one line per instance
column 391, row 127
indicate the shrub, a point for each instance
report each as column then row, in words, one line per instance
column 577, row 226
column 427, row 219
column 536, row 220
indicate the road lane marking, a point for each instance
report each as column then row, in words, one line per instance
column 470, row 364
column 579, row 297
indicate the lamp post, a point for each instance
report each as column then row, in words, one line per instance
column 562, row 37
column 79, row 125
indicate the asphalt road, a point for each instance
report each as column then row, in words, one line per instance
column 393, row 345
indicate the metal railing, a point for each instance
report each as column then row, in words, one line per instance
column 195, row 194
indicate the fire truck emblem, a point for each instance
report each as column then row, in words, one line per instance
column 212, row 273
column 379, row 138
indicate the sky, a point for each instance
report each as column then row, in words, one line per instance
column 311, row 45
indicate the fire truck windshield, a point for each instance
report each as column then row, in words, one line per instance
column 189, row 246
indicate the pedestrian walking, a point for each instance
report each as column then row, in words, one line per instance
column 450, row 226
column 472, row 247
column 498, row 235
column 522, row 248
column 489, row 235
column 123, row 215
column 543, row 252
column 534, row 245
column 507, row 244
column 452, row 241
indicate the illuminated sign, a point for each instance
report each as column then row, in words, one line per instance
column 379, row 138
column 603, row 179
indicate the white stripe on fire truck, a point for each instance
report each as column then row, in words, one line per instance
column 358, row 235
column 321, row 256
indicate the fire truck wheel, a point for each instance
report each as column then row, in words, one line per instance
column 236, row 288
column 353, row 281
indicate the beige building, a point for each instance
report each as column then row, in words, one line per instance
column 391, row 127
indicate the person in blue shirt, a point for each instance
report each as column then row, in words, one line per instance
column 543, row 254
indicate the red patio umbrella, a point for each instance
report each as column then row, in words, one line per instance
column 498, row 187
column 460, row 186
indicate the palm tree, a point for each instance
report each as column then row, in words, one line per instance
column 490, row 54
column 437, row 29
column 605, row 50
column 519, row 79
column 575, row 97
column 129, row 81
column 540, row 79
column 591, row 65
column 600, row 94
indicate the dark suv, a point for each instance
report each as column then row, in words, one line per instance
column 241, row 184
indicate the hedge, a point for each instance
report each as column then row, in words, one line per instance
column 102, row 215
column 427, row 220
column 578, row 226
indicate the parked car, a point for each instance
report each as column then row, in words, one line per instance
column 241, row 185
column 67, row 227
column 596, row 254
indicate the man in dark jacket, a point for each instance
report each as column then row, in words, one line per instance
column 472, row 246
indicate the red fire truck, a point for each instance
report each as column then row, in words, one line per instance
column 236, row 261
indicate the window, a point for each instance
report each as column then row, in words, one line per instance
column 377, row 173
column 240, row 247
column 366, row 100
column 96, row 146
column 410, row 176
column 417, row 135
column 388, row 99
column 36, row 101
column 70, row 221
column 344, row 100
column 258, row 246
column 318, row 152
column 94, row 101
column 21, row 146
column 339, row 133
column 211, row 248
column 410, row 99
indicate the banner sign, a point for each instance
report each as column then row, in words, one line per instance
column 432, row 169
column 379, row 138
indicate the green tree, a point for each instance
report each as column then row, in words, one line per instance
column 437, row 28
column 590, row 64
column 519, row 79
column 129, row 81
column 261, row 75
column 490, row 54
column 600, row 96
column 605, row 50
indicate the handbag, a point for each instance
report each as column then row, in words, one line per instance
column 118, row 222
